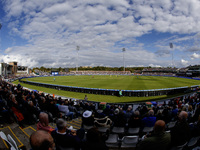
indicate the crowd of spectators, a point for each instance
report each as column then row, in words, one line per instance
column 157, row 74
column 41, row 73
column 27, row 107
column 101, row 72
column 11, row 78
column 159, row 71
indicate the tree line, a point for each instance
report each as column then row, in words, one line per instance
column 97, row 68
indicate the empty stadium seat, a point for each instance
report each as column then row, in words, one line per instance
column 171, row 124
column 112, row 141
column 86, row 128
column 118, row 130
column 181, row 147
column 129, row 141
column 196, row 148
column 133, row 130
column 103, row 129
column 147, row 129
column 64, row 148
column 12, row 144
column 12, row 141
column 193, row 141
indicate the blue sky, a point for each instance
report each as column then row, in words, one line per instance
column 46, row 33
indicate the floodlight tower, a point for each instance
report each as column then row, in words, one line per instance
column 123, row 50
column 171, row 46
column 77, row 49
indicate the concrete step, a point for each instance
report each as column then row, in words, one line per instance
column 76, row 123
column 22, row 135
column 12, row 132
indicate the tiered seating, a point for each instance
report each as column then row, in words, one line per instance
column 117, row 136
column 21, row 135
column 129, row 141
column 113, row 141
column 133, row 131
column 9, row 141
column 118, row 130
column 12, row 140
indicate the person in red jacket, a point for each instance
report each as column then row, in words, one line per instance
column 43, row 123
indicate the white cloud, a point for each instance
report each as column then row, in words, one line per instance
column 9, row 49
column 195, row 56
column 194, row 49
column 20, row 59
column 152, row 65
column 184, row 62
column 101, row 28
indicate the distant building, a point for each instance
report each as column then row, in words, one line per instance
column 159, row 71
column 182, row 71
column 14, row 68
column 23, row 70
column 66, row 69
column 54, row 71
column 86, row 67
column 193, row 71
column 5, row 69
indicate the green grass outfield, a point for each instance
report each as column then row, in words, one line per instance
column 118, row 82
column 111, row 82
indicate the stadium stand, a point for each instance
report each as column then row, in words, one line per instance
column 18, row 105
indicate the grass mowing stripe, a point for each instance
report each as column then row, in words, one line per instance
column 161, row 82
column 141, row 83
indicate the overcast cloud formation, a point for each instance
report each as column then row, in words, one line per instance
column 46, row 32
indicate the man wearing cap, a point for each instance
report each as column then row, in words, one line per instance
column 87, row 118
column 64, row 140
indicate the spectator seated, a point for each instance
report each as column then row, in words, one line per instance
column 64, row 138
column 63, row 108
column 43, row 123
column 158, row 140
column 87, row 120
column 94, row 141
